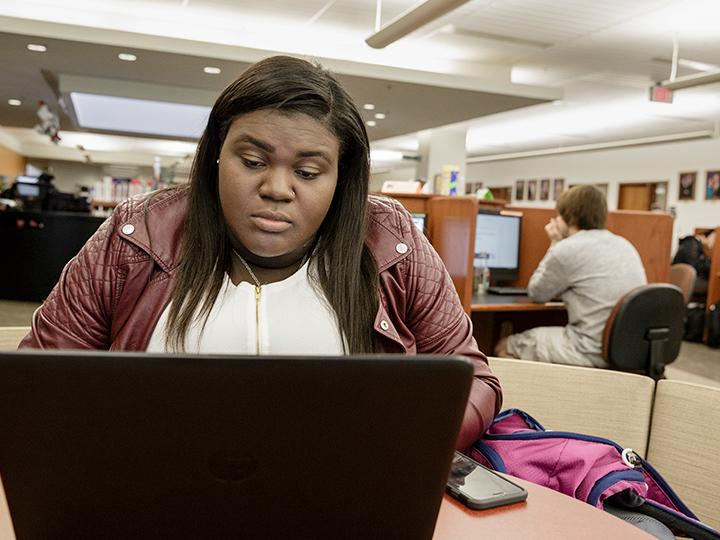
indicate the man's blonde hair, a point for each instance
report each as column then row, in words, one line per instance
column 584, row 207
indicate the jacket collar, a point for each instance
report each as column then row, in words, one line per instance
column 156, row 224
column 388, row 234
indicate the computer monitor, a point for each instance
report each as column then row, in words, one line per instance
column 31, row 191
column 497, row 243
column 27, row 190
column 419, row 219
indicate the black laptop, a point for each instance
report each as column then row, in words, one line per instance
column 126, row 445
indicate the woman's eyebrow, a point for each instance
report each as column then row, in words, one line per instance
column 315, row 153
column 267, row 147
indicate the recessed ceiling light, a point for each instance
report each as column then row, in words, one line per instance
column 380, row 116
column 14, row 102
column 127, row 57
column 36, row 47
column 371, row 123
column 369, row 107
column 212, row 70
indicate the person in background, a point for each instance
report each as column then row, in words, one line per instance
column 708, row 243
column 590, row 269
column 273, row 248
column 696, row 251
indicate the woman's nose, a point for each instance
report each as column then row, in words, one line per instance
column 277, row 184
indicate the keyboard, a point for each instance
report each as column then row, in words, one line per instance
column 507, row 290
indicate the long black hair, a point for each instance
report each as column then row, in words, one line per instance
column 347, row 273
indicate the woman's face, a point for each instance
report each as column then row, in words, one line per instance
column 277, row 178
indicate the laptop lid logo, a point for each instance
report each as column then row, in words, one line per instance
column 231, row 467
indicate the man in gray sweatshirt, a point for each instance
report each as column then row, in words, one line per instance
column 590, row 269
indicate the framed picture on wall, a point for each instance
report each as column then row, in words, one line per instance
column 544, row 189
column 686, row 191
column 472, row 187
column 558, row 187
column 712, row 185
column 532, row 190
column 520, row 190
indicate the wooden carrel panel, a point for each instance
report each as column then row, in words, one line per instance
column 452, row 234
column 651, row 234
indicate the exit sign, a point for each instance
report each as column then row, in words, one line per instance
column 661, row 94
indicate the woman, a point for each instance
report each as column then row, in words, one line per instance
column 273, row 248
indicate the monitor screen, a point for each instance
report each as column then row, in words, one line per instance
column 26, row 179
column 497, row 244
column 419, row 221
column 27, row 190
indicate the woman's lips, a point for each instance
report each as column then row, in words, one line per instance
column 270, row 225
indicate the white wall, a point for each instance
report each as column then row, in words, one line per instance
column 636, row 164
column 69, row 174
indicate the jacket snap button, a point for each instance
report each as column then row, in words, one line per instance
column 384, row 325
column 401, row 248
column 128, row 229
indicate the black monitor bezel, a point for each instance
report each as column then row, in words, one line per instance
column 502, row 274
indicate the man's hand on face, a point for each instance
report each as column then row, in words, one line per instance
column 556, row 229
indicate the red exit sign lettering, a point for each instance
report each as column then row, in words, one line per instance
column 661, row 94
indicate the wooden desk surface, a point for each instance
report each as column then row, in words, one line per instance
column 545, row 515
column 503, row 302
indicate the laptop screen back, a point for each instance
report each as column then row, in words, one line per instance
column 122, row 445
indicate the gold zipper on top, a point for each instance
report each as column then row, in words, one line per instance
column 257, row 319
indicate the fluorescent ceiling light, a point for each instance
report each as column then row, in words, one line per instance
column 35, row 47
column 371, row 123
column 690, row 64
column 127, row 57
column 14, row 102
column 369, row 107
column 698, row 66
column 212, row 70
column 411, row 20
column 689, row 81
column 139, row 115
column 380, row 116
column 623, row 143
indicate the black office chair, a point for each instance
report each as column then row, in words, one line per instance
column 645, row 329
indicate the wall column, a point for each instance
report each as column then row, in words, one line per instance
column 440, row 147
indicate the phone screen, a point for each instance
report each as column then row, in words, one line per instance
column 479, row 487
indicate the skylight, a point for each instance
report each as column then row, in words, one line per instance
column 139, row 115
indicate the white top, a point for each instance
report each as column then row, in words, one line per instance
column 290, row 317
column 590, row 270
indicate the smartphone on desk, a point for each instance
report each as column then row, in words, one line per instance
column 479, row 487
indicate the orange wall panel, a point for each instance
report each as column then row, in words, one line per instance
column 11, row 164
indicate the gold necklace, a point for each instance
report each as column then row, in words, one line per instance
column 247, row 267
column 257, row 300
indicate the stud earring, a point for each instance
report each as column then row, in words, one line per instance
column 217, row 161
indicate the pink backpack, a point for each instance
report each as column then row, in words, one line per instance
column 591, row 469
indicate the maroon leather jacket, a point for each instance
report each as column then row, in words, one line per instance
column 111, row 295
